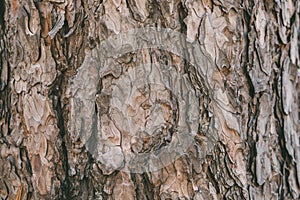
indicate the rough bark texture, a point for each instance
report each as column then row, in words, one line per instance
column 244, row 78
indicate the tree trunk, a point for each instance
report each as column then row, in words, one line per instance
column 149, row 99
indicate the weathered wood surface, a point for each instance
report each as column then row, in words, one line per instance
column 243, row 76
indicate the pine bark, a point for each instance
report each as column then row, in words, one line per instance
column 244, row 77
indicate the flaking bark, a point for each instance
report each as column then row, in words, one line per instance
column 245, row 77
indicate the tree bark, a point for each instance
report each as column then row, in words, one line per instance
column 71, row 112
